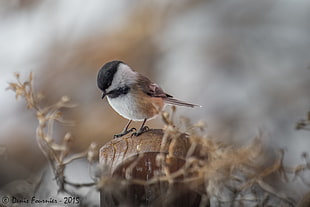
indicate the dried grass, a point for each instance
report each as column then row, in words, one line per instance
column 227, row 175
column 57, row 154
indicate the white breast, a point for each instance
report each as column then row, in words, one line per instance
column 126, row 106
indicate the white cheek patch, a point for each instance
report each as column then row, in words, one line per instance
column 124, row 76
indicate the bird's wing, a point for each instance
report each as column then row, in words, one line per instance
column 152, row 89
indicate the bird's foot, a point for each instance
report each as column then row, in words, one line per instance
column 125, row 132
column 141, row 131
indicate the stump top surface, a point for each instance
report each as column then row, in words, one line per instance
column 121, row 149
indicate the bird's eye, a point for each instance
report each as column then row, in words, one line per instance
column 109, row 83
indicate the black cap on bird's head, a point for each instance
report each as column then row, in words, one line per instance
column 106, row 75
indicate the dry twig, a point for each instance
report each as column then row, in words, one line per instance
column 58, row 155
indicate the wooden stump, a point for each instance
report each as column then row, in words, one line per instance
column 133, row 162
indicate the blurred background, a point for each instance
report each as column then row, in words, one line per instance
column 246, row 62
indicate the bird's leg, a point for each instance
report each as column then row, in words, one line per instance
column 142, row 129
column 125, row 131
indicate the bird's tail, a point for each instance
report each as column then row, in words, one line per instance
column 173, row 101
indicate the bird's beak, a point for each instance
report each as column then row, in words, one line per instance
column 103, row 94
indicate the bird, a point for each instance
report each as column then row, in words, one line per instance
column 133, row 95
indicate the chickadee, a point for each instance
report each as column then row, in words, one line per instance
column 133, row 95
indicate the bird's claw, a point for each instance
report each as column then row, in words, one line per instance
column 124, row 132
column 141, row 131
